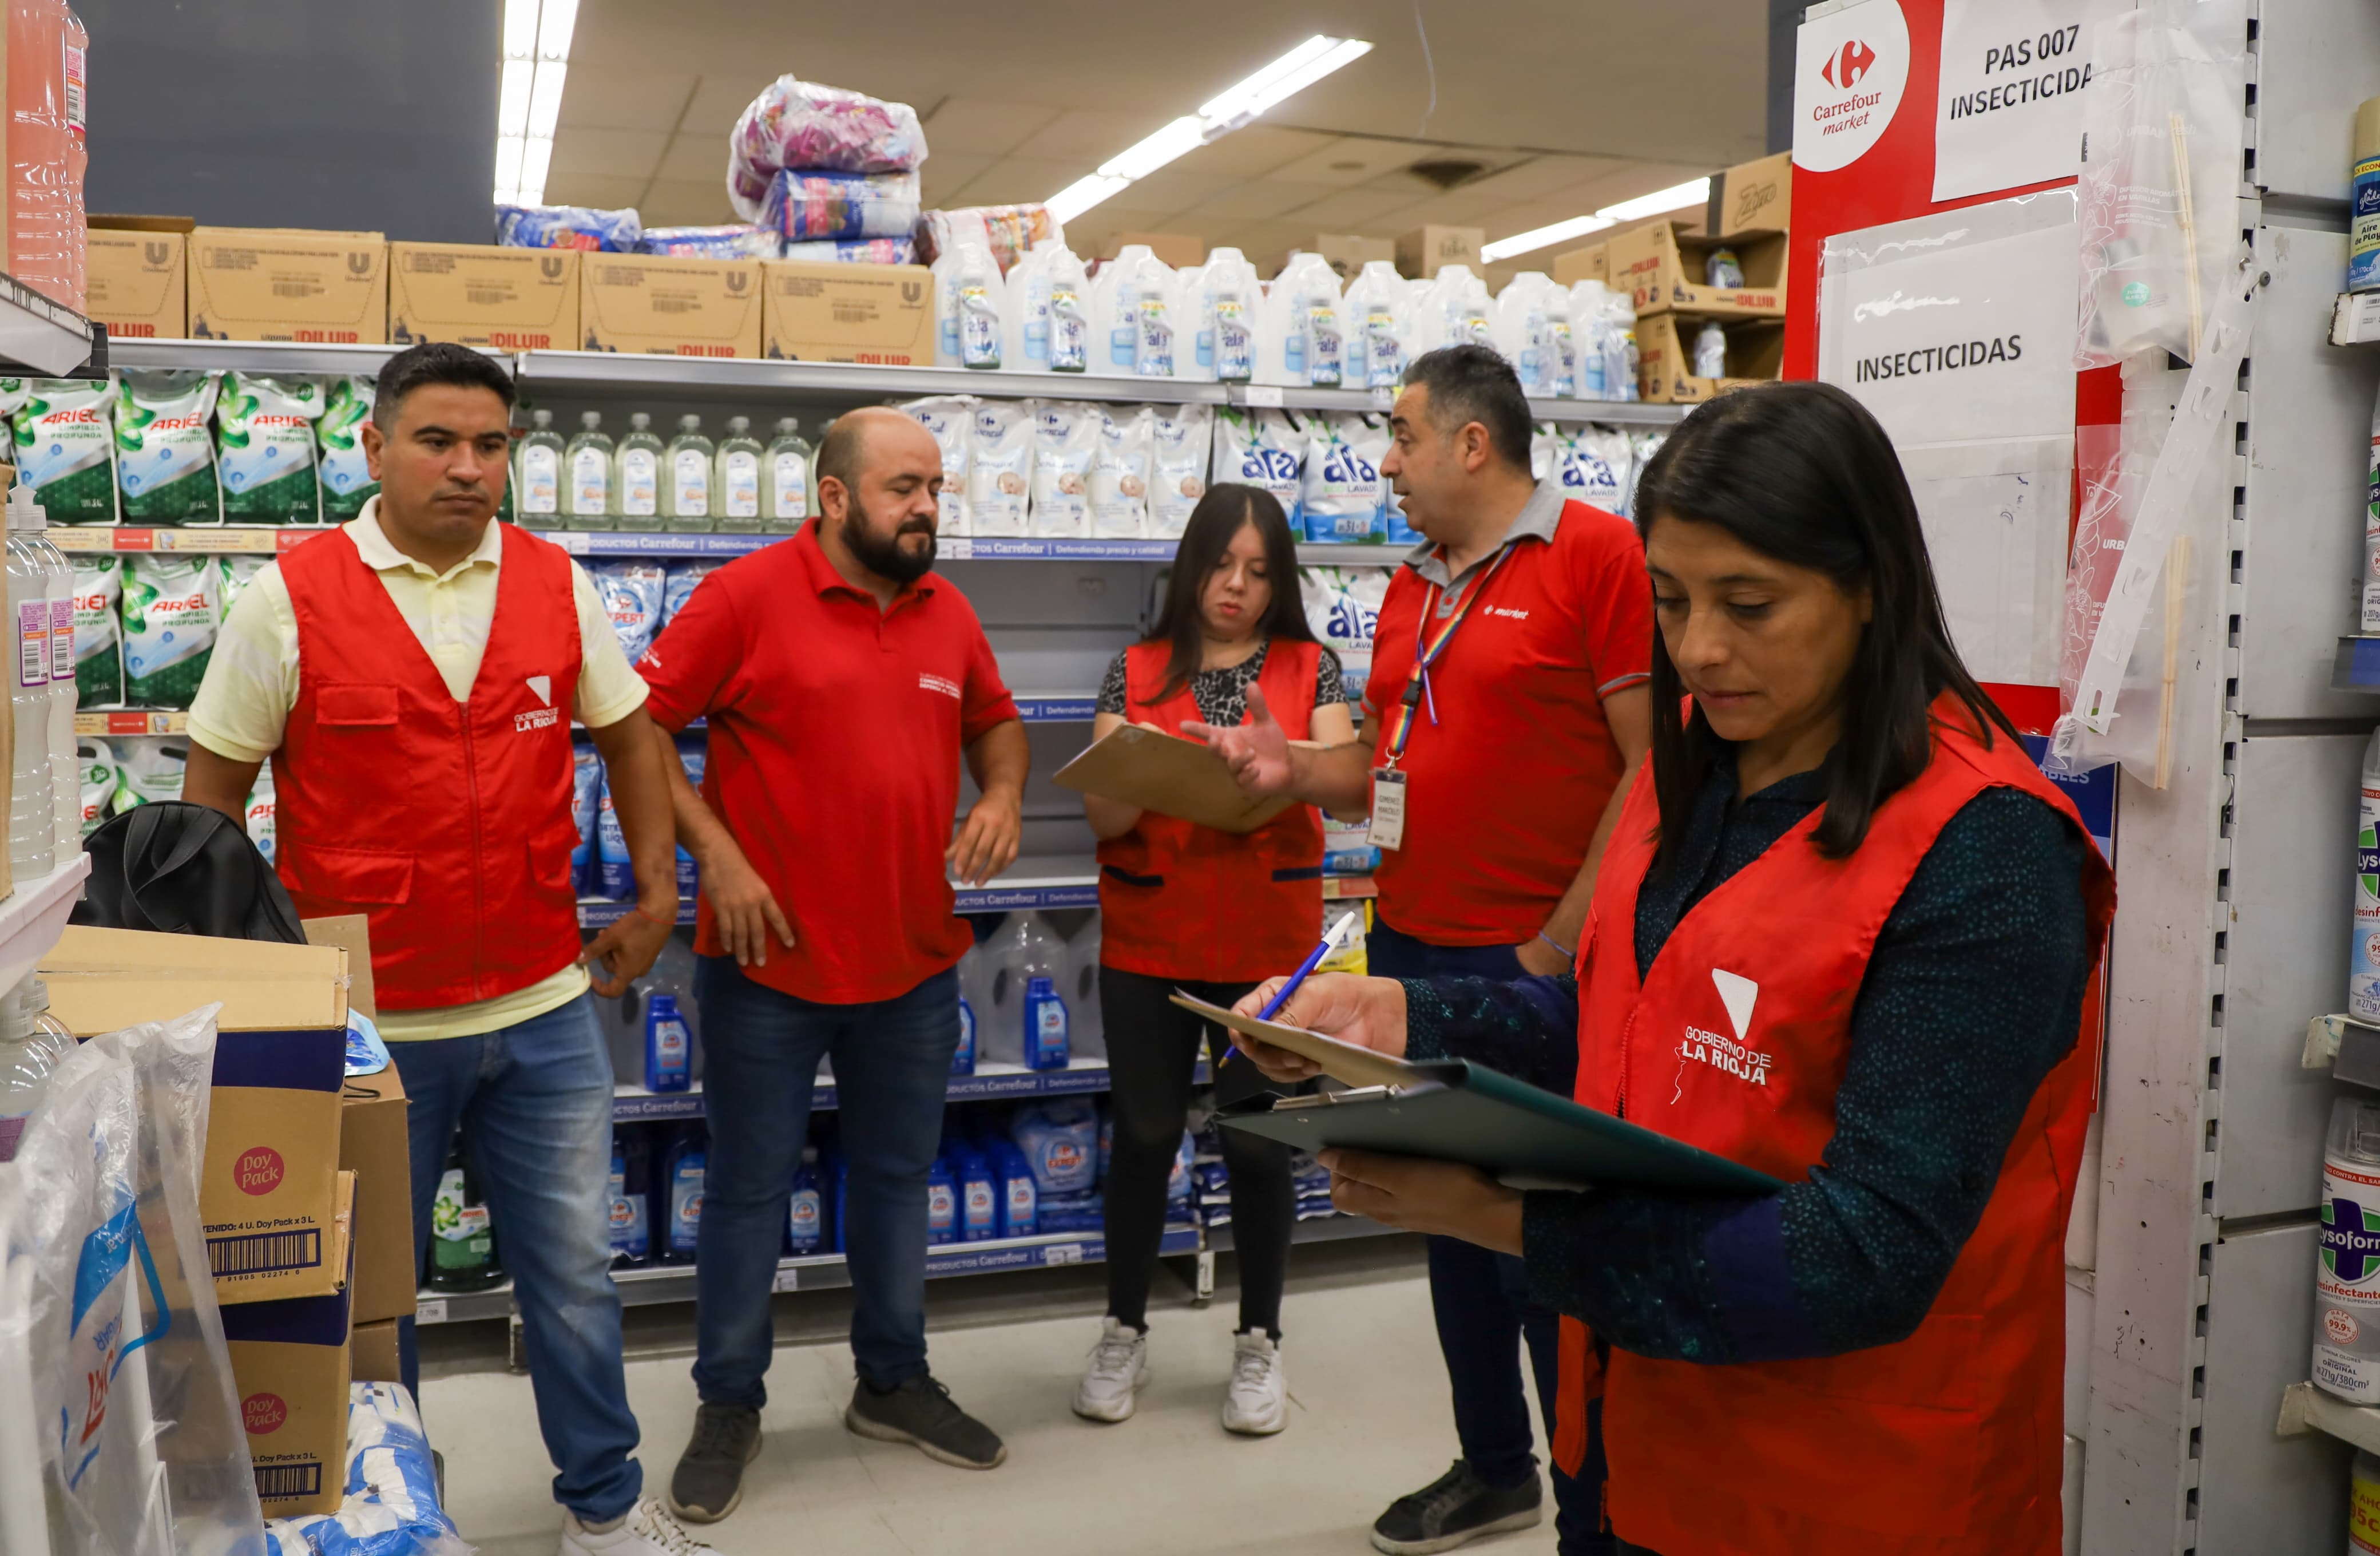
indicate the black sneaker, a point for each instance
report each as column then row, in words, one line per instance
column 919, row 1410
column 710, row 1479
column 1455, row 1509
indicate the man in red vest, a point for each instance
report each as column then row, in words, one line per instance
column 413, row 677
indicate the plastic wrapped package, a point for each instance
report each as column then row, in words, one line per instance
column 1007, row 232
column 1066, row 436
column 807, row 204
column 795, row 123
column 390, row 1508
column 951, row 419
column 108, row 1321
column 264, row 448
column 850, row 251
column 568, row 227
column 165, row 460
column 730, row 240
column 1180, row 441
column 1263, row 448
column 1119, row 474
column 1340, row 494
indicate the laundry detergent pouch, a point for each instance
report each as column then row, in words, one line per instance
column 694, row 756
column 807, row 204
column 1339, row 496
column 1542, row 452
column 1065, row 444
column 239, row 572
column 1264, row 448
column 1343, row 618
column 264, row 438
column 568, row 227
column 731, row 240
column 951, row 419
column 99, row 631
column 1119, row 475
column 149, row 771
column 585, row 801
column 1061, row 1141
column 1179, row 440
column 1596, row 467
column 631, row 594
column 264, row 807
column 679, row 582
column 999, row 468
column 95, row 782
column 165, row 460
column 346, row 480
column 1642, row 448
column 850, row 251
column 172, row 607
column 61, row 432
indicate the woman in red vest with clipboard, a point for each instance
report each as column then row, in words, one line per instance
column 1841, row 936
column 1187, row 906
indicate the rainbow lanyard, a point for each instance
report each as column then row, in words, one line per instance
column 1427, row 651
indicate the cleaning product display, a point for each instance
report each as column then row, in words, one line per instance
column 462, row 1255
column 636, row 489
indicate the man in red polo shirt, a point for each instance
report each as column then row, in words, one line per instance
column 1505, row 714
column 839, row 682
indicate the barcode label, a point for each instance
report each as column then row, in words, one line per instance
column 294, row 289
column 33, row 643
column 675, row 305
column 264, row 1252
column 287, row 1480
column 788, row 1280
column 62, row 651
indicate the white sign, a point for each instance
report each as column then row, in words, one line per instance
column 2010, row 111
column 1995, row 517
column 1849, row 70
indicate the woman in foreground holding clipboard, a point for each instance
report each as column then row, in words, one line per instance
column 1183, row 906
column 1842, row 936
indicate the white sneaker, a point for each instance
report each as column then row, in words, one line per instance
column 1118, row 1366
column 648, row 1530
column 1258, row 1401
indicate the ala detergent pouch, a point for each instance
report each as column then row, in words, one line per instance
column 950, row 418
column 346, row 480
column 1061, row 1141
column 1642, row 448
column 165, row 460
column 95, row 785
column 1597, row 464
column 1180, row 438
column 678, row 586
column 61, row 436
column 99, row 631
column 172, row 607
column 1339, row 497
column 1119, row 475
column 999, row 468
column 264, row 438
column 1065, row 444
column 1341, row 619
column 1543, row 455
column 631, row 594
column 149, row 771
column 1264, row 448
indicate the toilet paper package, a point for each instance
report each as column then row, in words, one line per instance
column 1264, row 448
column 1065, row 444
column 805, row 205
column 1119, row 474
column 999, row 468
column 951, row 419
column 1180, row 438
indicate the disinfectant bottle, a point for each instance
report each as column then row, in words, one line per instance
column 684, row 1193
column 632, row 1190
column 979, row 1196
column 1020, row 1199
column 805, row 1211
column 1045, row 1024
column 2346, row 1270
column 668, row 1056
column 963, row 1056
column 942, row 1204
column 1710, row 352
column 2363, row 951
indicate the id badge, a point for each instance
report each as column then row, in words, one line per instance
column 1387, row 808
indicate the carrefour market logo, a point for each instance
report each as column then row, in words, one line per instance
column 1845, row 68
column 1850, row 70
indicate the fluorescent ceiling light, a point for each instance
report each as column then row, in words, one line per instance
column 1220, row 114
column 1694, row 192
column 536, row 63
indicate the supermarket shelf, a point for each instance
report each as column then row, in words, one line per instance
column 1058, row 882
column 133, row 721
column 584, row 370
column 991, row 1082
column 2306, row 1408
column 211, row 539
column 1629, row 413
column 32, row 915
column 674, row 1282
column 2355, row 320
column 46, row 336
column 2349, row 1049
column 254, row 355
column 1057, row 707
column 1321, row 1228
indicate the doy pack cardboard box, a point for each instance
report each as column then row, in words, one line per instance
column 290, row 1367
column 1664, row 344
column 1663, row 265
column 847, row 313
column 657, row 305
column 266, row 1187
column 288, row 284
column 374, row 1145
column 372, row 1354
column 138, row 276
column 1755, row 196
column 1422, row 251
column 475, row 294
column 1590, row 264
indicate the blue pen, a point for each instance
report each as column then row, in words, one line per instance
column 1332, row 939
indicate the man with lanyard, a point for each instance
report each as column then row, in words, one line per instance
column 413, row 674
column 1508, row 683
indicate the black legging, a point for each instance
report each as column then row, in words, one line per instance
column 1152, row 1052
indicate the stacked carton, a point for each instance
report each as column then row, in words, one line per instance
column 1664, row 267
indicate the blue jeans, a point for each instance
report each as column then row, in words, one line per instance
column 534, row 1102
column 760, row 1057
column 1481, row 1302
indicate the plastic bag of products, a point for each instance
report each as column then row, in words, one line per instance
column 1007, row 232
column 1264, row 448
column 1065, row 444
column 632, row 593
column 1180, row 438
column 391, row 1507
column 264, row 442
column 852, row 251
column 795, row 123
column 568, row 227
column 731, row 240
column 805, row 204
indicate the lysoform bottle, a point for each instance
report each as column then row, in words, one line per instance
column 537, row 478
column 2363, row 947
column 686, row 494
column 786, row 489
column 587, row 465
column 637, row 476
column 2346, row 1274
column 736, row 483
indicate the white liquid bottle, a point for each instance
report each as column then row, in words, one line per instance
column 538, row 481
column 33, row 834
column 685, row 497
column 64, row 764
column 637, row 475
column 27, row 1059
column 785, row 494
column 589, row 476
column 737, row 483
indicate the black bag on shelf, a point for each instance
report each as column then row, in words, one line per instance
column 188, row 870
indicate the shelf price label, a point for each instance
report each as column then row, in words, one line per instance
column 1063, row 1253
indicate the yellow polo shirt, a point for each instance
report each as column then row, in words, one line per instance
column 251, row 682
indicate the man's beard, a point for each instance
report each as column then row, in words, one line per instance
column 883, row 555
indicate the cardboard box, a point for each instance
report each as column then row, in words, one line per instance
column 1591, row 263
column 1422, row 251
column 1663, row 265
column 1752, row 197
column 1177, row 249
column 373, row 1355
column 657, row 305
column 266, row 1188
column 291, row 1367
column 847, row 313
column 472, row 294
column 287, row 283
column 1665, row 347
column 140, row 283
column 1348, row 255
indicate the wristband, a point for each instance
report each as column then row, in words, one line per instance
column 1568, row 955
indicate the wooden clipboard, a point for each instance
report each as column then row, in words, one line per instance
column 1170, row 775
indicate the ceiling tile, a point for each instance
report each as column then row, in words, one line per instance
column 679, row 202
column 605, row 191
column 1542, row 177
column 1179, row 187
column 1355, row 211
column 982, row 127
column 1353, row 160
column 1020, row 180
column 1255, row 150
column 948, row 176
column 627, row 153
column 595, row 97
column 720, row 101
column 1086, row 135
column 694, row 157
column 1259, row 198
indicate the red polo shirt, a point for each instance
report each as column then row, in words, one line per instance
column 1502, row 793
column 835, row 730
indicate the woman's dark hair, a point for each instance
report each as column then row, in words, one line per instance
column 1802, row 472
column 1204, row 540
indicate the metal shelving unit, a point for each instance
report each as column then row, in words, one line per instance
column 46, row 336
column 991, row 1082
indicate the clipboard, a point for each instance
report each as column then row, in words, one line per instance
column 1458, row 1110
column 1170, row 775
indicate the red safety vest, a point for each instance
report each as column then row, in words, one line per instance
column 449, row 823
column 1180, row 900
column 1948, row 1441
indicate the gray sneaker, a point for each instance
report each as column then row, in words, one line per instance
column 920, row 1411
column 710, row 1479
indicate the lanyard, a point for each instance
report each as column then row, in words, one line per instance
column 1427, row 650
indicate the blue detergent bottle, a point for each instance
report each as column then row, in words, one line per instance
column 632, row 1189
column 1020, row 1199
column 963, row 1057
column 1045, row 1024
column 978, row 1197
column 941, row 1204
column 685, row 1195
column 805, row 1211
column 668, row 1046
